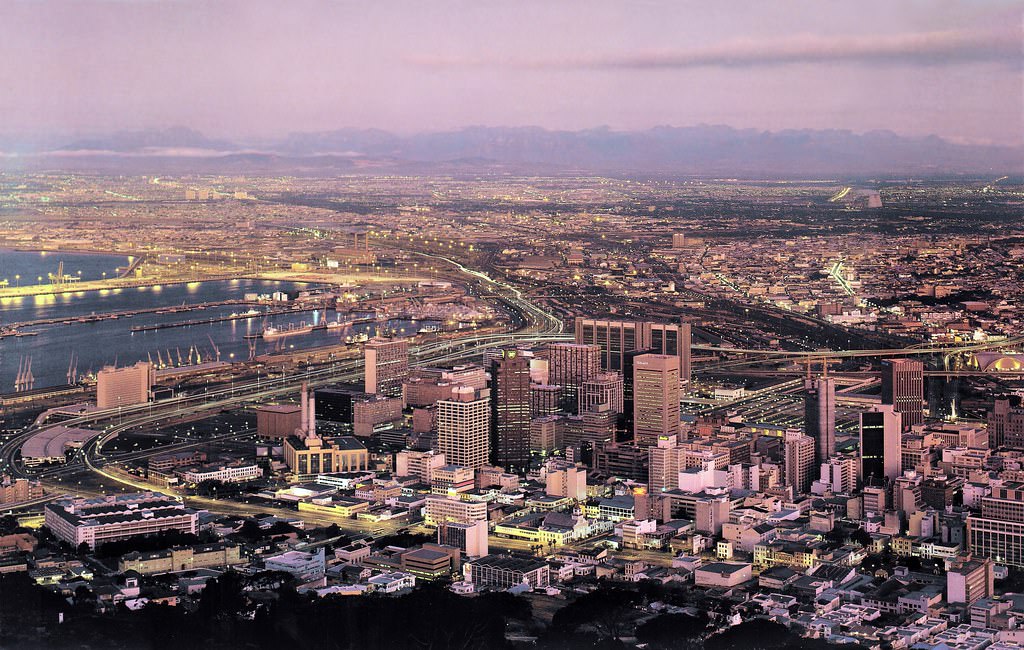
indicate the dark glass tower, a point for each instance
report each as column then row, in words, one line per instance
column 510, row 412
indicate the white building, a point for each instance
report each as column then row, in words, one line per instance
column 77, row 520
column 223, row 473
column 463, row 427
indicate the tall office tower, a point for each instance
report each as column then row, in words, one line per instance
column 655, row 398
column 602, row 388
column 903, row 388
column 614, row 337
column 820, row 416
column 618, row 337
column 969, row 580
column 510, row 412
column 881, row 434
column 464, row 427
column 387, row 366
column 124, row 386
column 470, row 538
column 875, row 500
column 666, row 460
column 547, row 434
column 627, row 386
column 678, row 240
column 998, row 532
column 599, row 425
column 545, row 399
column 1006, row 423
column 798, row 456
column 673, row 339
column 571, row 365
column 840, row 473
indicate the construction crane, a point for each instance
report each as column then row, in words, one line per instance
column 216, row 350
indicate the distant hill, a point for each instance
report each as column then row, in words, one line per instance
column 177, row 137
column 694, row 150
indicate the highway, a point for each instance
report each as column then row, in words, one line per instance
column 539, row 326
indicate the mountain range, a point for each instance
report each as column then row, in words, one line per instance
column 695, row 150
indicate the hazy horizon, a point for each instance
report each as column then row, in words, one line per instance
column 257, row 71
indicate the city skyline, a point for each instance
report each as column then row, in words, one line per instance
column 659, row 325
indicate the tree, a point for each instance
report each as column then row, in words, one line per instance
column 674, row 632
column 606, row 610
column 862, row 537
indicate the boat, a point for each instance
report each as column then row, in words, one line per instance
column 272, row 332
column 362, row 337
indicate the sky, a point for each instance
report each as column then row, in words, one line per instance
column 261, row 69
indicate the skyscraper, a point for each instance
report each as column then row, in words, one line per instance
column 666, row 459
column 799, row 452
column 387, row 366
column 655, row 397
column 1006, row 423
column 602, row 388
column 998, row 532
column 820, row 416
column 903, row 388
column 464, row 427
column 618, row 337
column 881, row 433
column 510, row 411
column 571, row 365
column 124, row 386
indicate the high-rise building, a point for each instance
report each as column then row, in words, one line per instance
column 424, row 386
column 881, row 433
column 602, row 388
column 998, row 532
column 820, row 416
column 470, row 538
column 1006, row 424
column 623, row 460
column 969, row 580
column 510, row 412
column 387, row 365
column 598, row 426
column 618, row 337
column 673, row 339
column 124, row 386
column 545, row 399
column 571, row 365
column 569, row 481
column 666, row 460
column 839, row 473
column 614, row 337
column 464, row 427
column 655, row 397
column 421, row 463
column 547, row 434
column 903, row 388
column 798, row 456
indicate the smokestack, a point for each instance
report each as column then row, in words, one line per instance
column 304, row 409
column 311, row 418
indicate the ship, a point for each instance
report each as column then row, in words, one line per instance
column 272, row 332
column 362, row 337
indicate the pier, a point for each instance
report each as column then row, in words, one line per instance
column 220, row 319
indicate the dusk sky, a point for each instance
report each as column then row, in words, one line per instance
column 254, row 69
